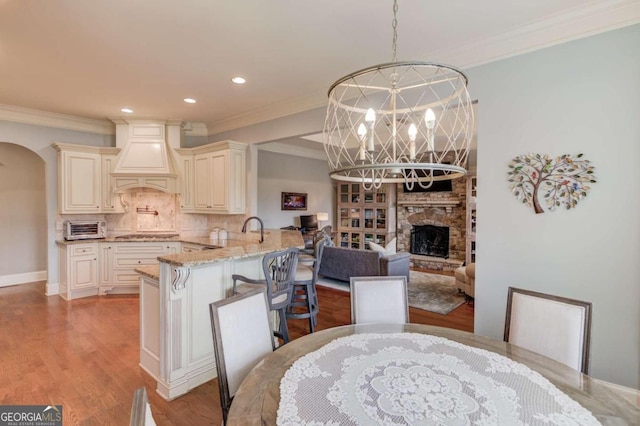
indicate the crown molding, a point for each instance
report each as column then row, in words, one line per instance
column 196, row 129
column 60, row 121
column 281, row 148
column 69, row 122
column 271, row 112
column 582, row 21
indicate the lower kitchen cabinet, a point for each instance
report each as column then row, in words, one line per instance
column 119, row 260
column 192, row 248
column 78, row 270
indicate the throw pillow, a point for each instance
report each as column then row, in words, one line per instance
column 390, row 248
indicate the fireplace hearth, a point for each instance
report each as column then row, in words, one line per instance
column 430, row 240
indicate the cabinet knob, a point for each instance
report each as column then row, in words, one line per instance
column 139, row 261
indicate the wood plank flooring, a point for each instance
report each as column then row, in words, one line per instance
column 83, row 355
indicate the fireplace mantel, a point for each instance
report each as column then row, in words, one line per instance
column 446, row 204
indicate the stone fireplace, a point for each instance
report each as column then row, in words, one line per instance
column 432, row 227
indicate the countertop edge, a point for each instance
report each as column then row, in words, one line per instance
column 240, row 246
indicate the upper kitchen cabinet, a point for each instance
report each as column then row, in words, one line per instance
column 187, row 204
column 83, row 179
column 214, row 178
column 110, row 200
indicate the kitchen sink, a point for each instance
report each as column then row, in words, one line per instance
column 145, row 236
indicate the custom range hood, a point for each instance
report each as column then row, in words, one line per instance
column 146, row 158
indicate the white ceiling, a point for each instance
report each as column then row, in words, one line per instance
column 89, row 58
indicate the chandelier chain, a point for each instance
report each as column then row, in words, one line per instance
column 394, row 25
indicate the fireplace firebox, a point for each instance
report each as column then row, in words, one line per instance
column 430, row 240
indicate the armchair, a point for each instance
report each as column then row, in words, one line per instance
column 466, row 279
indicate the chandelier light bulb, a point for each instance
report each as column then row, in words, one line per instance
column 370, row 117
column 362, row 131
column 430, row 119
column 412, row 132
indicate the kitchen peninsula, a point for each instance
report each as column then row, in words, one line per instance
column 176, row 344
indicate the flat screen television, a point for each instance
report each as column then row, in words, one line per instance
column 308, row 222
column 436, row 186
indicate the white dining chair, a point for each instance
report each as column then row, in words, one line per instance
column 553, row 326
column 140, row 409
column 242, row 337
column 379, row 300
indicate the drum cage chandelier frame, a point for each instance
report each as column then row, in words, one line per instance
column 399, row 122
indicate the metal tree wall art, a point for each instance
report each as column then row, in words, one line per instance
column 563, row 180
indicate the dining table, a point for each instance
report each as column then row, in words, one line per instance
column 418, row 374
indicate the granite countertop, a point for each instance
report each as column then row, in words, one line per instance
column 115, row 239
column 237, row 246
column 151, row 271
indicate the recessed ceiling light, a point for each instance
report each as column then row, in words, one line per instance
column 238, row 80
column 127, row 110
column 190, row 100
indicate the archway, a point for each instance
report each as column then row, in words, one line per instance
column 23, row 214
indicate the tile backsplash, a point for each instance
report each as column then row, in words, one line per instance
column 141, row 217
column 155, row 212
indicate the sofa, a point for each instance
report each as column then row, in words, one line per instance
column 343, row 263
column 466, row 279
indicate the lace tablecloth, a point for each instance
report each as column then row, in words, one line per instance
column 418, row 379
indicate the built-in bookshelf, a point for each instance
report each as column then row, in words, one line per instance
column 365, row 216
column 471, row 219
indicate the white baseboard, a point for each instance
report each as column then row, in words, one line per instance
column 52, row 289
column 28, row 277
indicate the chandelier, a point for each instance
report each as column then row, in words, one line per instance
column 399, row 122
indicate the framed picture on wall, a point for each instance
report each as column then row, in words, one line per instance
column 294, row 201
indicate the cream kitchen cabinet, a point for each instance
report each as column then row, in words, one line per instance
column 211, row 181
column 78, row 270
column 192, row 248
column 84, row 179
column 110, row 202
column 186, row 182
column 119, row 260
column 79, row 179
column 219, row 178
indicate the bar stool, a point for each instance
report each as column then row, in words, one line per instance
column 279, row 270
column 304, row 301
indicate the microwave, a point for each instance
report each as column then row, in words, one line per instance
column 84, row 229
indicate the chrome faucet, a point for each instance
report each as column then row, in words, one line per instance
column 244, row 227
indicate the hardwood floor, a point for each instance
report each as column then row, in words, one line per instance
column 83, row 355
